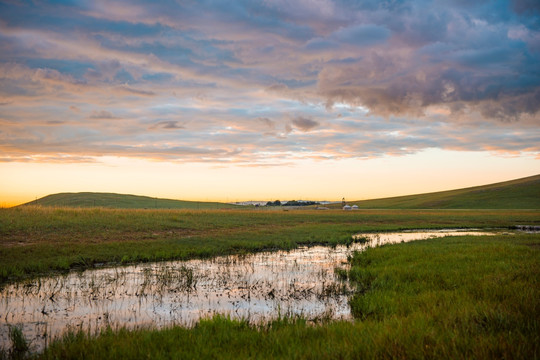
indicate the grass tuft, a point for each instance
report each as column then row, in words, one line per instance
column 19, row 345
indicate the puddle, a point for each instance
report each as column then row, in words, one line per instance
column 378, row 239
column 257, row 287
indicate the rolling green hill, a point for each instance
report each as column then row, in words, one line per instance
column 516, row 194
column 122, row 201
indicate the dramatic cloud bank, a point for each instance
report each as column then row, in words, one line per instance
column 265, row 82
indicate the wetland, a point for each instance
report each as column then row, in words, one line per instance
column 108, row 283
column 256, row 287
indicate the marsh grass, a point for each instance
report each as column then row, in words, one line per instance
column 19, row 345
column 169, row 278
column 40, row 241
column 451, row 298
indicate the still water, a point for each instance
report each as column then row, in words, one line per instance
column 257, row 287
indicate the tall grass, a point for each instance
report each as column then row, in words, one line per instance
column 19, row 345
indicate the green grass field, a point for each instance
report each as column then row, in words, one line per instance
column 453, row 298
column 516, row 194
column 43, row 240
column 460, row 297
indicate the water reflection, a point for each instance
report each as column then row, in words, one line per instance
column 377, row 239
column 257, row 287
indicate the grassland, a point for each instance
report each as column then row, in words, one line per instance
column 516, row 194
column 453, row 298
column 39, row 241
column 462, row 297
column 121, row 201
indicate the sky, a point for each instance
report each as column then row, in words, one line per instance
column 272, row 99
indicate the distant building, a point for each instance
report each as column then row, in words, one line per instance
column 355, row 207
column 347, row 207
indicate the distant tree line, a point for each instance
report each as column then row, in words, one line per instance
column 292, row 203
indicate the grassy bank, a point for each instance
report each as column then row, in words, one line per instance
column 37, row 240
column 516, row 194
column 462, row 297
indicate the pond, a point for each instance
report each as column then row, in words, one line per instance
column 257, row 287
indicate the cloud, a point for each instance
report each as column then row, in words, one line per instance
column 61, row 159
column 474, row 83
column 102, row 114
column 384, row 77
column 362, row 35
column 304, row 124
column 526, row 6
column 169, row 125
column 134, row 91
column 270, row 124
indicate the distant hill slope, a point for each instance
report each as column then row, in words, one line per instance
column 515, row 194
column 122, row 201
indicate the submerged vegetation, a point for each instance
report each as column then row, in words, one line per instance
column 460, row 297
